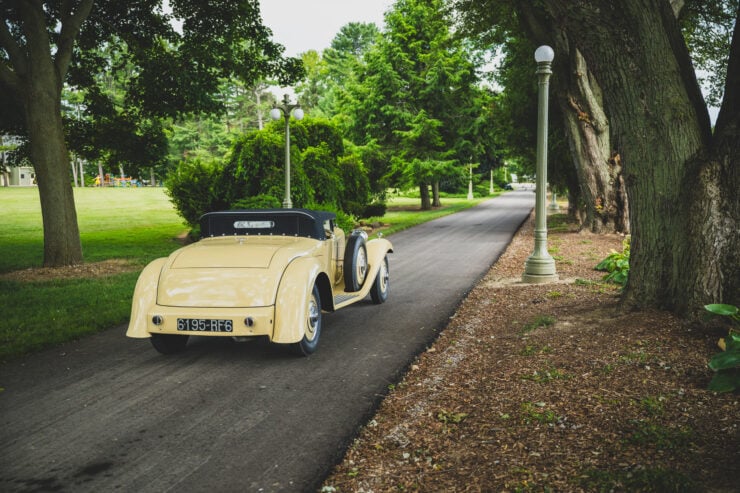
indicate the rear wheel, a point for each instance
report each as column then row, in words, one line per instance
column 355, row 263
column 169, row 343
column 312, row 327
column 379, row 291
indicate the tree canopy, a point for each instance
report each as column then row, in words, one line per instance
column 47, row 45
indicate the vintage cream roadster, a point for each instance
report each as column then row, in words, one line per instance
column 255, row 273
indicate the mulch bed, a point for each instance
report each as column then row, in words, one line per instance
column 552, row 388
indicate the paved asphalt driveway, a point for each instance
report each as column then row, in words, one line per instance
column 110, row 414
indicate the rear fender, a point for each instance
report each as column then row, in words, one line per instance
column 145, row 297
column 292, row 299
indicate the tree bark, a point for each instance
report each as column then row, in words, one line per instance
column 36, row 80
column 426, row 203
column 436, row 201
column 580, row 99
column 682, row 183
column 599, row 169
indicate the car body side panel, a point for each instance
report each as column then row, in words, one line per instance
column 145, row 296
column 292, row 299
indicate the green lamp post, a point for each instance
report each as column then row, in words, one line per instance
column 275, row 113
column 540, row 266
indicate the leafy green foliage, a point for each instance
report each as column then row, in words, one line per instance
column 321, row 173
column 356, row 185
column 617, row 264
column 257, row 202
column 192, row 189
column 330, row 73
column 726, row 365
column 416, row 99
column 160, row 72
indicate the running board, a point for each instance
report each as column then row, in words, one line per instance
column 344, row 299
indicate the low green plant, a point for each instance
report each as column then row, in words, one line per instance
column 531, row 350
column 639, row 479
column 726, row 365
column 658, row 435
column 539, row 322
column 584, row 282
column 536, row 412
column 652, row 405
column 447, row 417
column 617, row 264
column 546, row 375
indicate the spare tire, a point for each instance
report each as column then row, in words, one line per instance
column 355, row 262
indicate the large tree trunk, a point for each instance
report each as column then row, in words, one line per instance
column 41, row 95
column 682, row 186
column 436, row 201
column 581, row 102
column 599, row 170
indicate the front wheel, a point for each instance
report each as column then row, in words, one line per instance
column 379, row 291
column 312, row 327
column 169, row 343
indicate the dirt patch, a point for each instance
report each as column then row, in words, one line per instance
column 88, row 270
column 552, row 388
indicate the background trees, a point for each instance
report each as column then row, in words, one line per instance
column 47, row 44
column 420, row 94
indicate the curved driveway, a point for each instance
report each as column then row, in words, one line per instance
column 110, row 414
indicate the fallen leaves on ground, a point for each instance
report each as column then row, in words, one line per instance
column 552, row 388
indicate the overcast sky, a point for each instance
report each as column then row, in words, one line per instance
column 302, row 25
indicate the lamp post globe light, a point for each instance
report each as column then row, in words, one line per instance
column 540, row 266
column 276, row 112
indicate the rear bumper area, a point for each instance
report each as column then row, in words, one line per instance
column 246, row 322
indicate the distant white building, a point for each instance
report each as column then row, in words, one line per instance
column 22, row 176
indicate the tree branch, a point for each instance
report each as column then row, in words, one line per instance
column 728, row 119
column 677, row 6
column 588, row 86
column 71, row 23
column 10, row 80
column 17, row 59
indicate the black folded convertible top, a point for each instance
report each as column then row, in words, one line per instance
column 265, row 222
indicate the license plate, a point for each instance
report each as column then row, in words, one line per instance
column 204, row 325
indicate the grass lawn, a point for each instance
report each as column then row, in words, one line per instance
column 405, row 212
column 137, row 224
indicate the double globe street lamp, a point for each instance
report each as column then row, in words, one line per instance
column 276, row 112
